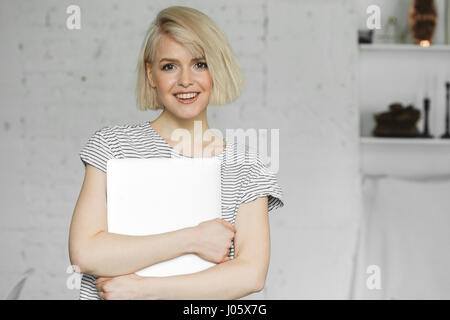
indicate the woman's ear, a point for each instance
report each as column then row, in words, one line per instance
column 148, row 71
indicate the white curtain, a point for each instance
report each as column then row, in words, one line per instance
column 406, row 234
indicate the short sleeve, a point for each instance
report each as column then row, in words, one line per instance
column 97, row 151
column 261, row 182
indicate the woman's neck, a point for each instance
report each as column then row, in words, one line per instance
column 166, row 126
column 167, row 123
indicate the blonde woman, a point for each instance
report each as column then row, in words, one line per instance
column 185, row 64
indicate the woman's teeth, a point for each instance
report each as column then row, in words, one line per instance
column 187, row 95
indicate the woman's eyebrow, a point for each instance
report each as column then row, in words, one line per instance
column 175, row 60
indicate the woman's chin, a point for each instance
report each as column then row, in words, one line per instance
column 187, row 112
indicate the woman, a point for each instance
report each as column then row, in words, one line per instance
column 185, row 64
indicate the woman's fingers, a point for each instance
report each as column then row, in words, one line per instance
column 100, row 291
column 101, row 279
column 227, row 224
column 99, row 284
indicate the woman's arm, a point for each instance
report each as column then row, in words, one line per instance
column 95, row 251
column 233, row 279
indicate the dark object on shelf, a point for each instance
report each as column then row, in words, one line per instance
column 426, row 106
column 422, row 21
column 399, row 121
column 446, row 135
column 365, row 36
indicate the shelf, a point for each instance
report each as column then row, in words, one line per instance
column 409, row 71
column 404, row 47
column 400, row 141
column 405, row 157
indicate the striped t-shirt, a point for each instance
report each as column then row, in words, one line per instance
column 244, row 177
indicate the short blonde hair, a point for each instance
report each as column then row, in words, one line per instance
column 203, row 38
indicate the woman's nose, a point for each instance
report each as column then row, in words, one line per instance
column 185, row 78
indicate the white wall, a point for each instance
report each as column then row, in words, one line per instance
column 59, row 86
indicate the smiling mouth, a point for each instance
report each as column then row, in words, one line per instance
column 187, row 97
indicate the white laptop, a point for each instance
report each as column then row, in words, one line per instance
column 152, row 196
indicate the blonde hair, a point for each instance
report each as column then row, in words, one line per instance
column 203, row 39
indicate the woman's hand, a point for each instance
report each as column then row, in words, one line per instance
column 213, row 240
column 126, row 287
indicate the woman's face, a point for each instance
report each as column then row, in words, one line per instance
column 183, row 83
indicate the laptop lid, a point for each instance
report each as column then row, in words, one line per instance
column 158, row 195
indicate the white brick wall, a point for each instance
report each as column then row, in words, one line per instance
column 58, row 86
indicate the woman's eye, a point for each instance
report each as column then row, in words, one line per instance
column 201, row 65
column 168, row 66
column 171, row 66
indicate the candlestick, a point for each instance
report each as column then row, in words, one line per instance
column 446, row 135
column 426, row 105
